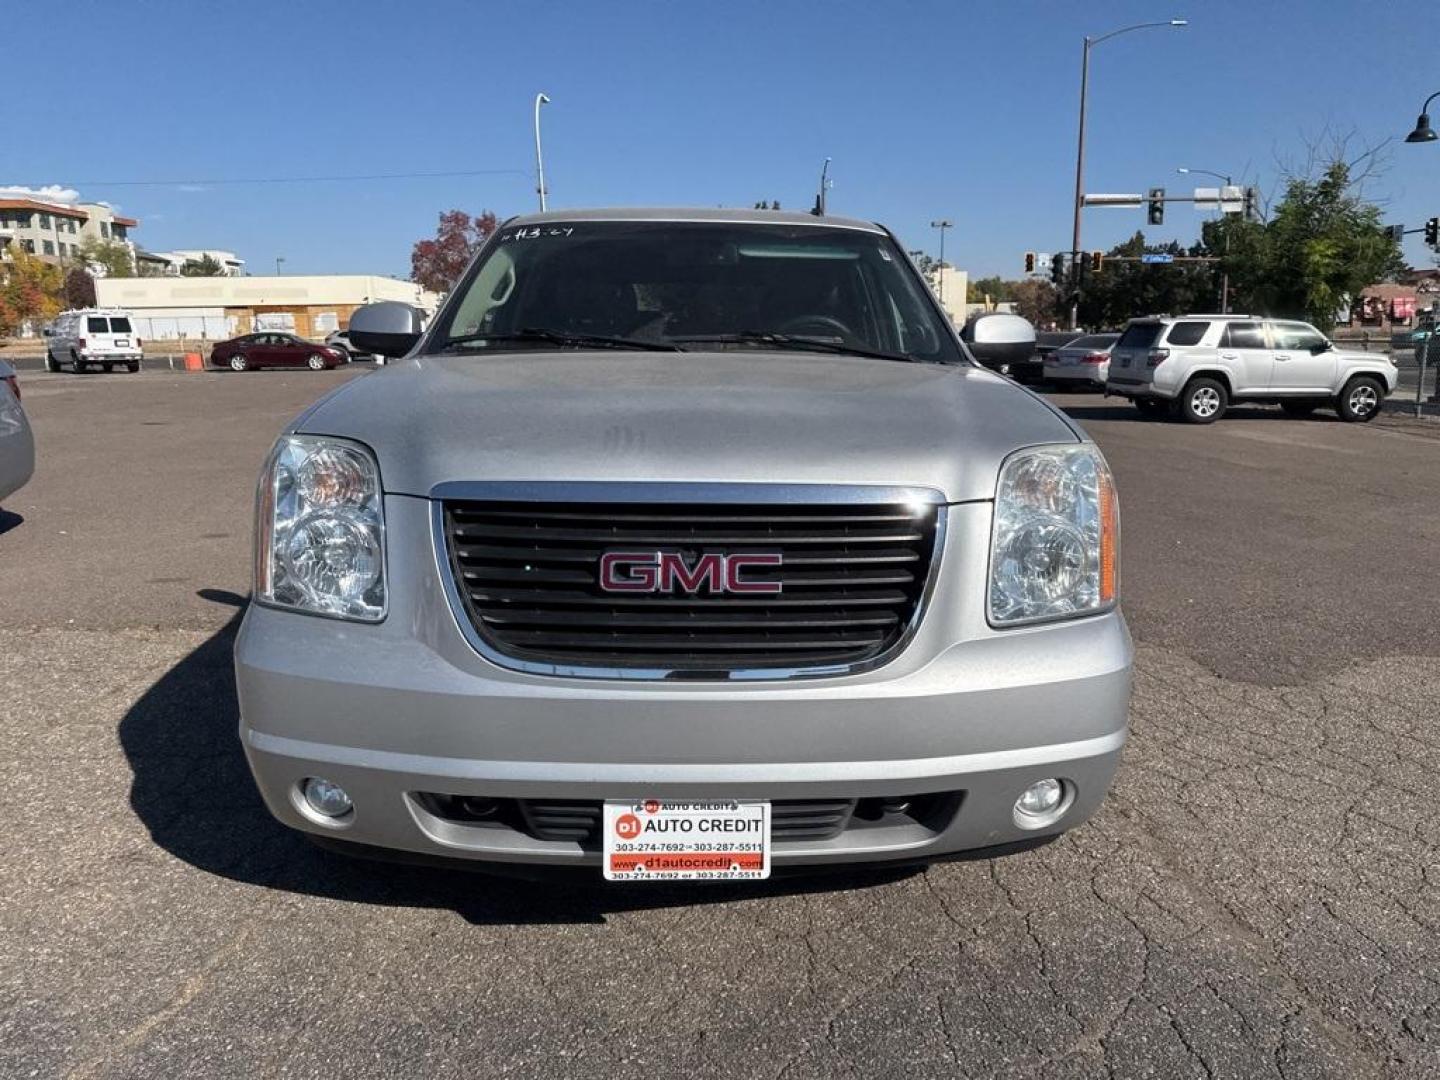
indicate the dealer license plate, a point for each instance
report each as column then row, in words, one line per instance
column 122, row 343
column 680, row 840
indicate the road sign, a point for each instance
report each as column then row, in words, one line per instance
column 1111, row 200
column 1229, row 199
column 1157, row 258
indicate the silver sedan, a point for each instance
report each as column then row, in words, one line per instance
column 1085, row 360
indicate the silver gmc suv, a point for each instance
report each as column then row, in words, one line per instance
column 681, row 545
column 1194, row 366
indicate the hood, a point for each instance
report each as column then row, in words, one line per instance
column 727, row 417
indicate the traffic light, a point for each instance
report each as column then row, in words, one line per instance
column 1057, row 269
column 1097, row 261
column 1432, row 232
column 1155, row 210
column 1252, row 204
column 1029, row 262
column 1395, row 233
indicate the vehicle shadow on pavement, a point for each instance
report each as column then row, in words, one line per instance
column 9, row 521
column 1128, row 412
column 192, row 790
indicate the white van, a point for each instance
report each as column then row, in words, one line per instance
column 103, row 336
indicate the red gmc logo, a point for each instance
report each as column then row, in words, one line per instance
column 666, row 571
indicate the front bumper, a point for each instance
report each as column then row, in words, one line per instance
column 404, row 707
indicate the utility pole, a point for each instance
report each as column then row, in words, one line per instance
column 278, row 260
column 540, row 99
column 942, row 225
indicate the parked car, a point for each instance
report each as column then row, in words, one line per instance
column 1085, row 360
column 661, row 536
column 272, row 348
column 340, row 339
column 1047, row 341
column 92, row 337
column 1194, row 366
column 17, row 444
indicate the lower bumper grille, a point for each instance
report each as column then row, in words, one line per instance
column 578, row 820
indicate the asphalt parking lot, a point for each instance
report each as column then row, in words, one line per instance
column 1259, row 897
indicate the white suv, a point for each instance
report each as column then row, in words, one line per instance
column 1193, row 366
column 92, row 336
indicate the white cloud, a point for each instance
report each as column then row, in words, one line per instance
column 49, row 193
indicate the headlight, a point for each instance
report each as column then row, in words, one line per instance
column 1054, row 548
column 320, row 529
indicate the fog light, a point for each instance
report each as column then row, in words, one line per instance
column 1040, row 798
column 325, row 798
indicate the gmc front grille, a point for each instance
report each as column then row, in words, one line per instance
column 853, row 578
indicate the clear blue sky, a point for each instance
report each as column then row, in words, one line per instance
column 964, row 110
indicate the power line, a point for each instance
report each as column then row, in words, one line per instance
column 296, row 179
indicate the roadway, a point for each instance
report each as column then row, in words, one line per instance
column 1260, row 896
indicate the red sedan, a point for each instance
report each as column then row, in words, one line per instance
column 272, row 348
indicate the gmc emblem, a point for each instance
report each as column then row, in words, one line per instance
column 666, row 571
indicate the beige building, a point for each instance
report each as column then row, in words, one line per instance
column 951, row 286
column 102, row 223
column 221, row 307
column 54, row 231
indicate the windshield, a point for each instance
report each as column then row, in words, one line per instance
column 693, row 285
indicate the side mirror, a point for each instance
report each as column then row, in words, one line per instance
column 997, row 338
column 1321, row 347
column 388, row 328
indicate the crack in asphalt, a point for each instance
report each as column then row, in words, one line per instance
column 1258, row 896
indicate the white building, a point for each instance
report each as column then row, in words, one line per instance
column 171, row 263
column 216, row 308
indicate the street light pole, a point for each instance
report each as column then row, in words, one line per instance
column 942, row 225
column 278, row 260
column 1080, row 150
column 1425, row 133
column 540, row 99
column 1225, row 273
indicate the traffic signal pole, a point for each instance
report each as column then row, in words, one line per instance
column 1079, row 181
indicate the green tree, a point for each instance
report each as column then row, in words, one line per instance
column 1322, row 244
column 1125, row 289
column 30, row 291
column 996, row 287
column 205, row 266
column 111, row 256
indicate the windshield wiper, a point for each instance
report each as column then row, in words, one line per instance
column 792, row 341
column 564, row 339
